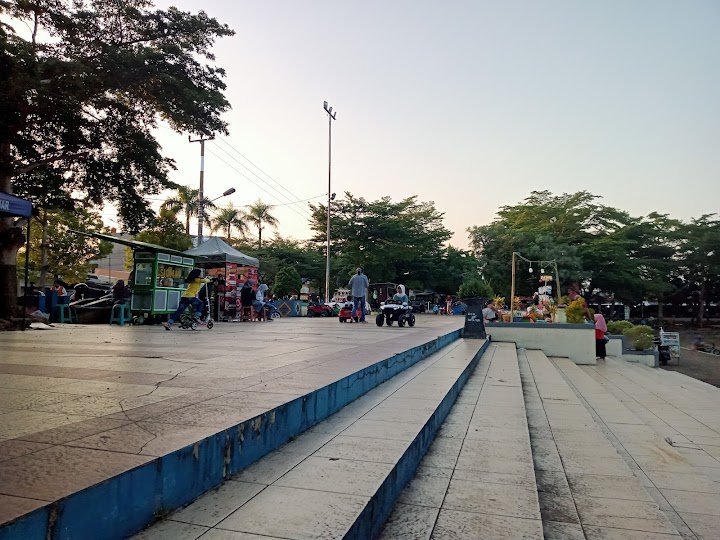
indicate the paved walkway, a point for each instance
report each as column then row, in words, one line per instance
column 100, row 400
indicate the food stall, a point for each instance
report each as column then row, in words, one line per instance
column 157, row 279
column 221, row 259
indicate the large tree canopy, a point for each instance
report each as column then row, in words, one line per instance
column 400, row 242
column 79, row 105
column 605, row 251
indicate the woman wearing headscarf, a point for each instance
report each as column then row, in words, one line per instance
column 600, row 331
column 400, row 297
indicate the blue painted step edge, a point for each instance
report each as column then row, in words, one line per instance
column 370, row 522
column 127, row 503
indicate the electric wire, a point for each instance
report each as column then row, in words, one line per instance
column 290, row 198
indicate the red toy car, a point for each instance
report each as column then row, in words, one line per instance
column 346, row 315
column 319, row 310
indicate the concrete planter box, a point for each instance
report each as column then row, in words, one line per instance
column 573, row 341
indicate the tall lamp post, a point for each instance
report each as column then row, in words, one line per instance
column 201, row 193
column 331, row 117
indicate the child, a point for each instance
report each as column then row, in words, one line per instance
column 189, row 297
column 400, row 297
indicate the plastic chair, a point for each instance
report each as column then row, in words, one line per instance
column 120, row 314
column 63, row 313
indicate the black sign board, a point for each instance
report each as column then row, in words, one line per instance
column 474, row 325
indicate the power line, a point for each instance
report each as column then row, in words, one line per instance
column 290, row 199
column 224, row 141
column 308, row 216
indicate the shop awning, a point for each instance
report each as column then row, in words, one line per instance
column 12, row 206
column 134, row 244
column 216, row 250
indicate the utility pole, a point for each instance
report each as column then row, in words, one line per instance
column 201, row 193
column 331, row 117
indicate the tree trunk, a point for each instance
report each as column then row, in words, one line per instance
column 42, row 281
column 259, row 237
column 701, row 304
column 11, row 238
column 660, row 310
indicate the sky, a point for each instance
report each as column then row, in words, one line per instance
column 469, row 104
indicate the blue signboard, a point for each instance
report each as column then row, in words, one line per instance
column 14, row 206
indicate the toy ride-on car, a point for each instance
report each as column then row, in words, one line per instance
column 389, row 313
column 346, row 313
column 319, row 310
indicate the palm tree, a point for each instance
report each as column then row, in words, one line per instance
column 258, row 214
column 186, row 202
column 227, row 218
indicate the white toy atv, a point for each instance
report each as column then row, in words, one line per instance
column 389, row 313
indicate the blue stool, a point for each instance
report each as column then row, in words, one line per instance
column 63, row 313
column 120, row 314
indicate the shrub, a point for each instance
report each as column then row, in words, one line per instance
column 576, row 311
column 618, row 327
column 475, row 287
column 287, row 281
column 641, row 337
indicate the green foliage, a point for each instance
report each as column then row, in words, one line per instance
column 259, row 215
column 601, row 247
column 82, row 96
column 280, row 252
column 187, row 202
column 618, row 327
column 68, row 254
column 576, row 311
column 166, row 231
column 287, row 281
column 475, row 287
column 640, row 336
column 229, row 218
column 399, row 242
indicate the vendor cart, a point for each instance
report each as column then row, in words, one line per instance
column 157, row 279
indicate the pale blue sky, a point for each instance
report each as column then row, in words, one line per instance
column 470, row 104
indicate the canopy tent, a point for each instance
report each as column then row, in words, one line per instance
column 12, row 206
column 215, row 250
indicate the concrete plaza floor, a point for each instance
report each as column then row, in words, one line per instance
column 103, row 399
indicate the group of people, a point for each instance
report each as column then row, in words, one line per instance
column 197, row 287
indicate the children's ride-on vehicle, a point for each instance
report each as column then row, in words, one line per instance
column 389, row 313
column 346, row 314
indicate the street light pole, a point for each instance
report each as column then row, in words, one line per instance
column 331, row 117
column 201, row 193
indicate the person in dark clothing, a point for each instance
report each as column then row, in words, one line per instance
column 120, row 292
column 246, row 295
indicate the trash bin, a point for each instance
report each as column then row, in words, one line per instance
column 664, row 354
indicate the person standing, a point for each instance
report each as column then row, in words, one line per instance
column 600, row 331
column 358, row 286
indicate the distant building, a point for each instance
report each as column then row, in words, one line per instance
column 111, row 268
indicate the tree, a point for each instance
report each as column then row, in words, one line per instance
column 259, row 215
column 699, row 259
column 401, row 242
column 187, row 202
column 55, row 251
column 166, row 231
column 287, row 281
column 280, row 252
column 78, row 110
column 228, row 218
column 473, row 287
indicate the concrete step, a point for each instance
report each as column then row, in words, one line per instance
column 477, row 479
column 663, row 425
column 111, row 476
column 586, row 487
column 340, row 478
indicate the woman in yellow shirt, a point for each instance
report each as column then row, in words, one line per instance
column 189, row 297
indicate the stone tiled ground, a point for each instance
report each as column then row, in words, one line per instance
column 79, row 404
